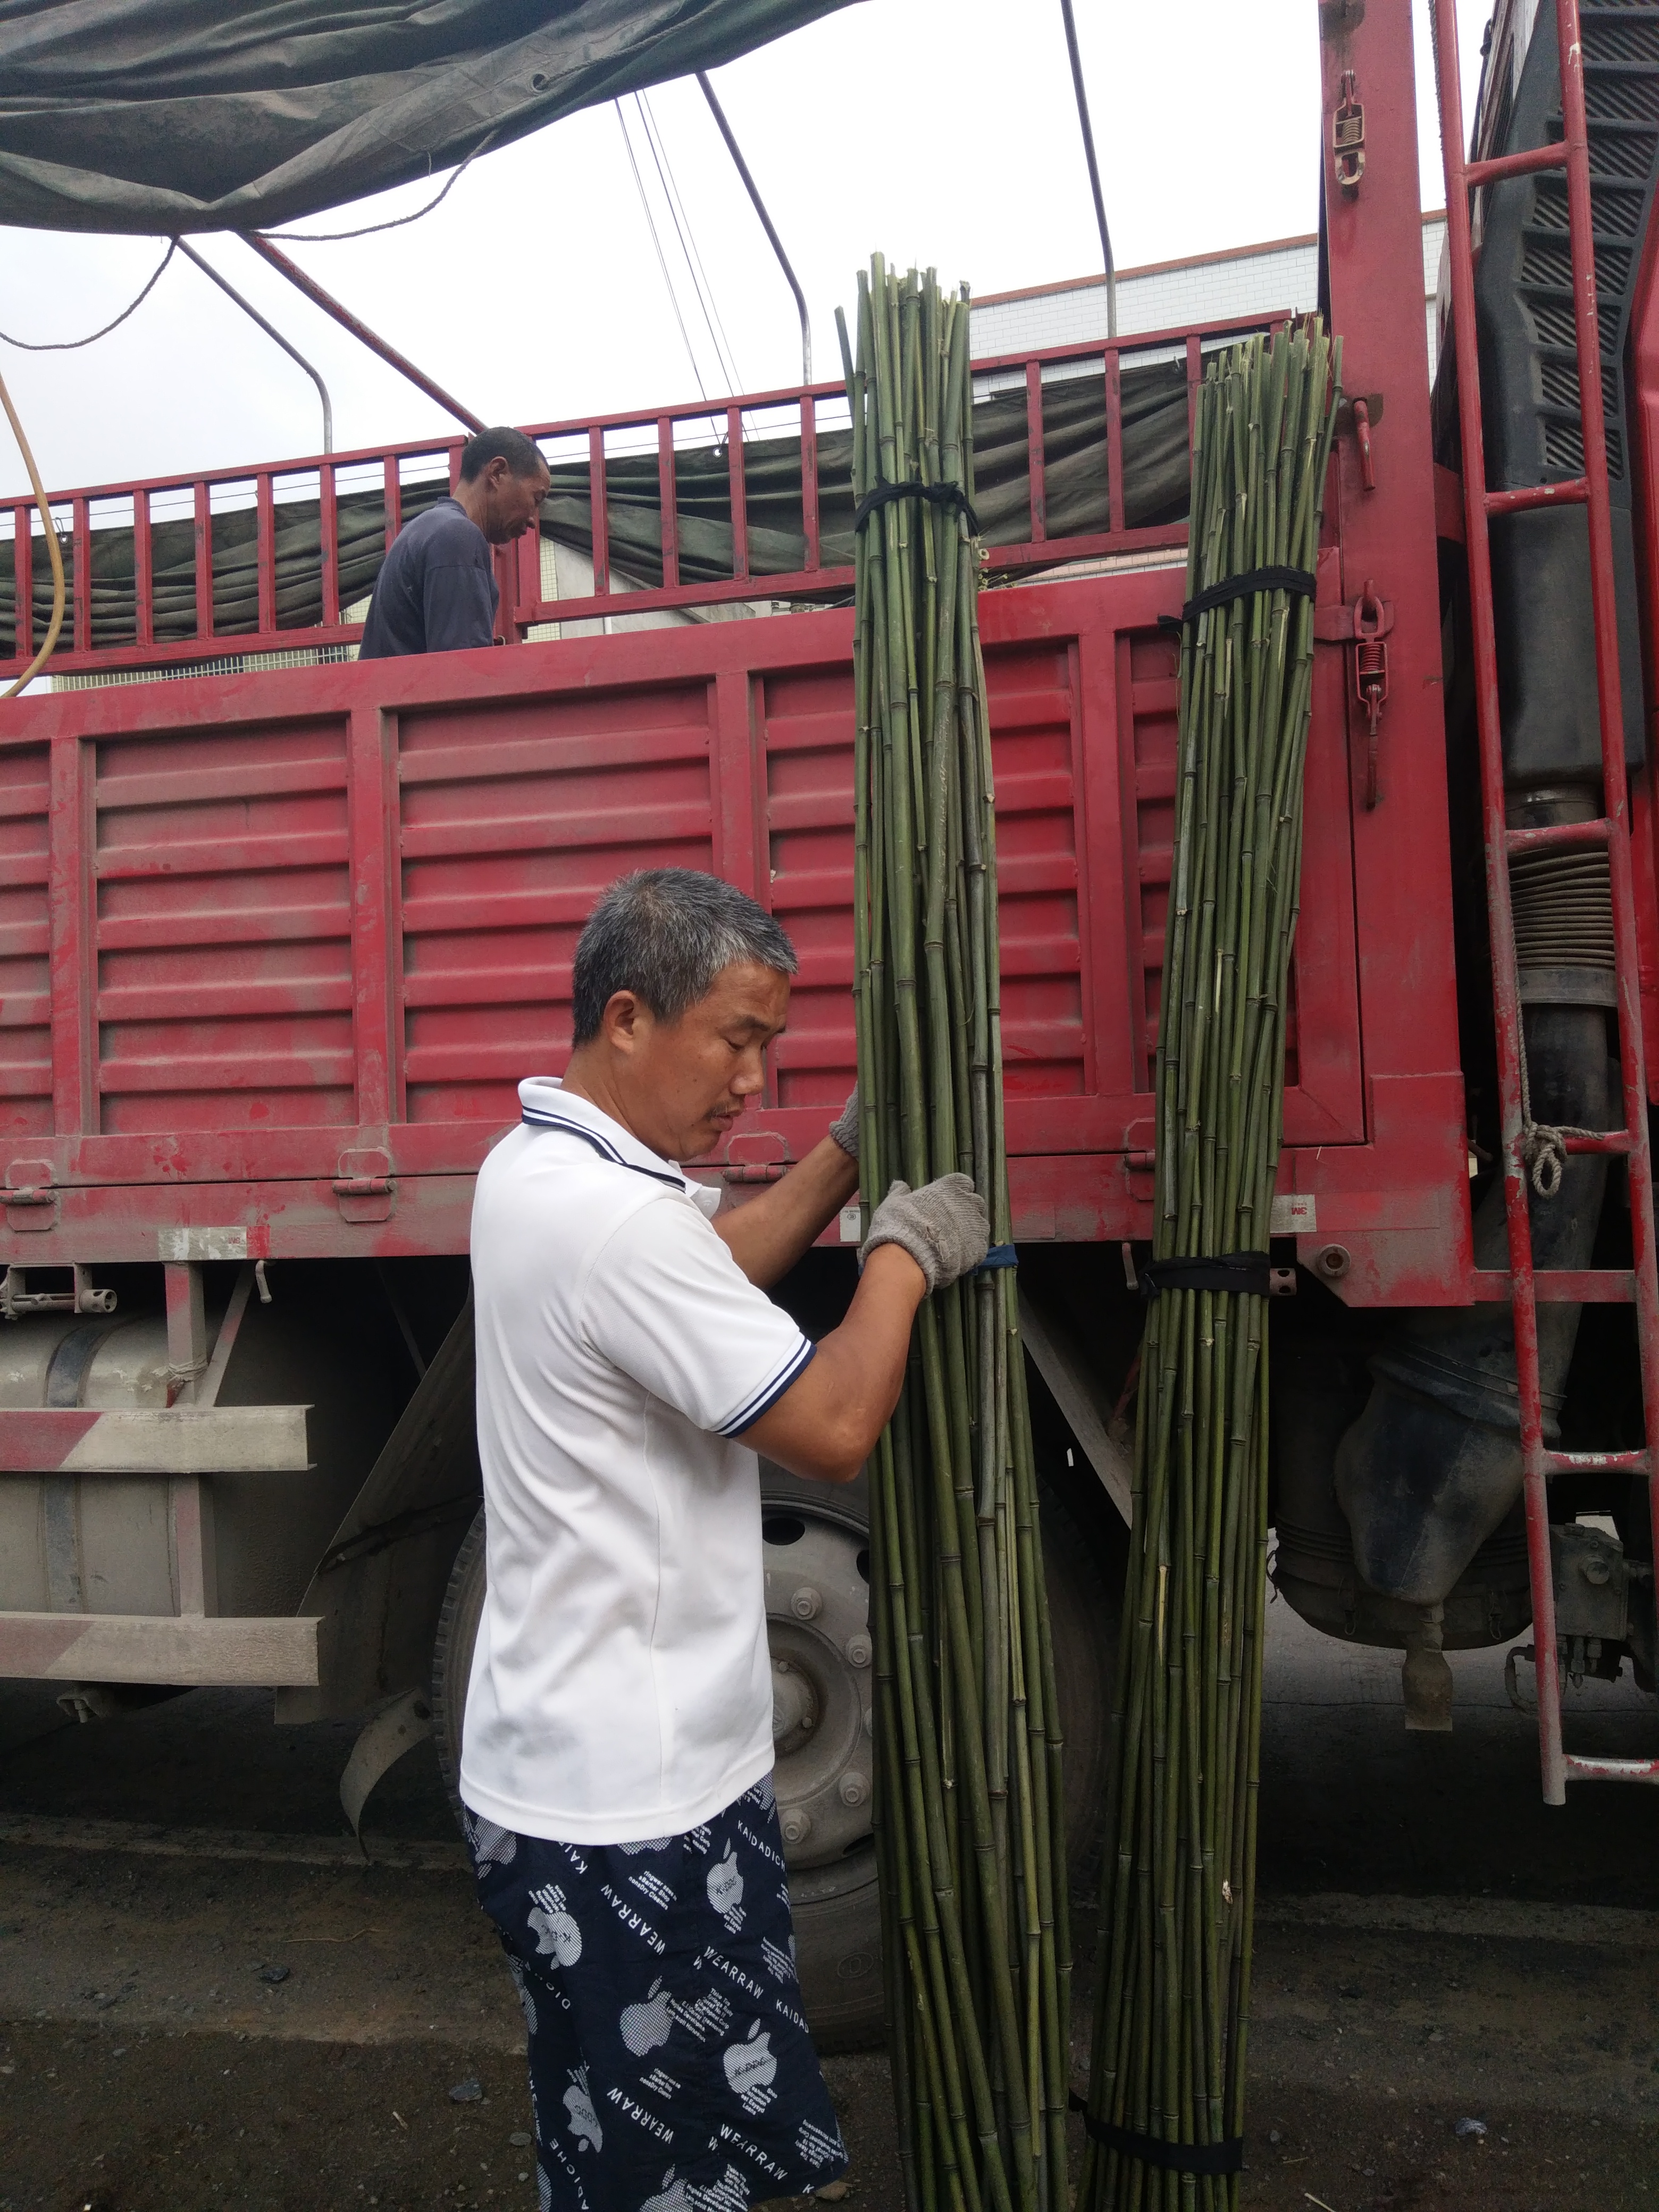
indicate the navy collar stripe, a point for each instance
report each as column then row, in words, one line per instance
column 606, row 1150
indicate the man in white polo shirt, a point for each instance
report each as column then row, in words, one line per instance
column 617, row 1754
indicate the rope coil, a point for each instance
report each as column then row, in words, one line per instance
column 1543, row 1144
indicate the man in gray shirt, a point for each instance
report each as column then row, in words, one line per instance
column 436, row 591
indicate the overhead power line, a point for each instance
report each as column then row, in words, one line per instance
column 662, row 260
column 682, row 220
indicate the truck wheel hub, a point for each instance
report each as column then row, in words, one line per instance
column 817, row 1619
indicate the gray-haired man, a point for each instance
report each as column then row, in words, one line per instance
column 617, row 1749
column 436, row 590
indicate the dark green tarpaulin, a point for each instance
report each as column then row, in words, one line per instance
column 1155, row 482
column 174, row 115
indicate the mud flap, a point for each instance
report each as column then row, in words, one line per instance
column 378, row 1749
column 379, row 1585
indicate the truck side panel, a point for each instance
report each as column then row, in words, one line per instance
column 306, row 930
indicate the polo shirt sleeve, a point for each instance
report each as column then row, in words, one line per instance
column 667, row 1304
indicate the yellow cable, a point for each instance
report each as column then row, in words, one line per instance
column 54, row 552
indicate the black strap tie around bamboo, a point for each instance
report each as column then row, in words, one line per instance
column 1228, row 1271
column 937, row 495
column 1226, row 2157
column 1302, row 581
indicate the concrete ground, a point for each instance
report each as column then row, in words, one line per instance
column 209, row 1996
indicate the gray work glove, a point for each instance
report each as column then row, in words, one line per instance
column 845, row 1127
column 943, row 1227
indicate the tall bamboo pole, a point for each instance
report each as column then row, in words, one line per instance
column 970, row 1815
column 1166, row 2097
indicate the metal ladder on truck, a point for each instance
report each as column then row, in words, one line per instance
column 1610, row 833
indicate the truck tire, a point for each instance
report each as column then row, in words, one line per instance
column 452, row 1654
column 815, row 1540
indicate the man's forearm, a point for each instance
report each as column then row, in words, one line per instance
column 826, row 1424
column 769, row 1233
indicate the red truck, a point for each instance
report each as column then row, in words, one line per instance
column 276, row 945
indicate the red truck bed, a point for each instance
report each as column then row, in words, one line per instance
column 278, row 947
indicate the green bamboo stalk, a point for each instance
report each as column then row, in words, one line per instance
column 970, row 1810
column 1179, row 1877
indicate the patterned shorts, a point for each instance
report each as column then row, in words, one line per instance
column 670, row 2069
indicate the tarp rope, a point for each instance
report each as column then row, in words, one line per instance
column 74, row 346
column 397, row 221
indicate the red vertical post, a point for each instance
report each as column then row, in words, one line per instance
column 73, row 1078
column 740, row 844
column 82, row 631
column 265, row 534
column 392, row 493
column 809, row 478
column 143, row 571
column 1194, row 377
column 328, row 541
column 508, row 564
column 1113, row 440
column 23, row 580
column 739, row 491
column 204, row 560
column 599, row 511
column 1039, row 491
column 531, row 591
column 368, row 801
column 667, row 494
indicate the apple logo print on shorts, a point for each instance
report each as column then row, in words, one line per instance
column 584, row 2120
column 492, row 1845
column 725, row 1884
column 670, row 2197
column 750, row 2070
column 671, row 2069
column 552, row 1926
column 646, row 2025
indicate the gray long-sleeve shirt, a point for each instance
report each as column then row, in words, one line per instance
column 436, row 590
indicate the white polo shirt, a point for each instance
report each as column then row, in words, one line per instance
column 621, row 1685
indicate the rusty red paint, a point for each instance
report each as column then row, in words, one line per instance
column 36, row 1441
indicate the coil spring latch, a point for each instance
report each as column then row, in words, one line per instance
column 1365, row 625
column 1348, row 135
column 1372, row 621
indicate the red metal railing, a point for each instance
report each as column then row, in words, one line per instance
column 1609, row 832
column 198, row 630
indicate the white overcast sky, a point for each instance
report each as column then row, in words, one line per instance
column 939, row 131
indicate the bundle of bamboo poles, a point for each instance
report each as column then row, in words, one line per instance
column 969, row 1813
column 1166, row 2096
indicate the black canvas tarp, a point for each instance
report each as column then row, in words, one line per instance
column 1156, row 472
column 159, row 116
